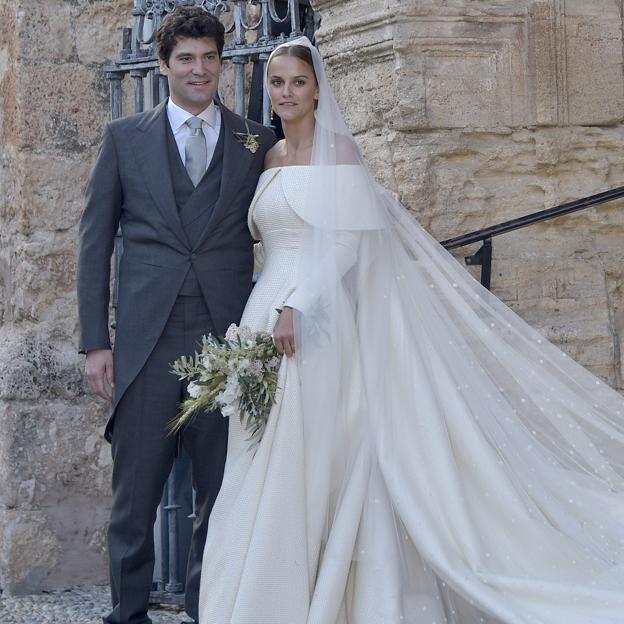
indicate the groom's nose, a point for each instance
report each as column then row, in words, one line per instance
column 198, row 68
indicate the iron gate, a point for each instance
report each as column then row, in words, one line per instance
column 253, row 29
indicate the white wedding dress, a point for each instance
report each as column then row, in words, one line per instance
column 436, row 524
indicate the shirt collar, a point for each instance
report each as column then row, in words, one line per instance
column 178, row 116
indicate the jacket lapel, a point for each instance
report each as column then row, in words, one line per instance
column 152, row 158
column 236, row 162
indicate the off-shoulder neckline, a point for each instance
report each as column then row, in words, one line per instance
column 284, row 167
column 299, row 166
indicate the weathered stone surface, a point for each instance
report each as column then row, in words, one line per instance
column 54, row 463
column 29, row 551
column 479, row 112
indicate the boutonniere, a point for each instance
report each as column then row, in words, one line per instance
column 248, row 140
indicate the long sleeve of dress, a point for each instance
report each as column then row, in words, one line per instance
column 320, row 278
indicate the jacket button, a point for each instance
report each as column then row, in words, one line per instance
column 193, row 256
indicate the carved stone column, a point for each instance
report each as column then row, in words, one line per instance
column 481, row 111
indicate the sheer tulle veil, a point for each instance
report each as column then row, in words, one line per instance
column 474, row 446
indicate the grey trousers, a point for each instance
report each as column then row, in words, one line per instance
column 143, row 454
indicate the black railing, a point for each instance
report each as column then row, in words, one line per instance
column 483, row 257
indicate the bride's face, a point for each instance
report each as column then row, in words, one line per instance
column 292, row 88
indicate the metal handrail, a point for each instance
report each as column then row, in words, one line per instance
column 535, row 217
column 483, row 256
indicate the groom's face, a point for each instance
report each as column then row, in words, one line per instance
column 193, row 72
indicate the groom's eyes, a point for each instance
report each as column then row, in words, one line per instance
column 188, row 59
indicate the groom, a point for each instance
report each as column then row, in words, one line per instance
column 178, row 180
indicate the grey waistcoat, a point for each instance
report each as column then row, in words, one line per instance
column 195, row 203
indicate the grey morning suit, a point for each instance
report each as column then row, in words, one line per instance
column 185, row 271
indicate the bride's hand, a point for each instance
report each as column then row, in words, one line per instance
column 284, row 333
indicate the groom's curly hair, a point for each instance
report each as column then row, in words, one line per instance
column 188, row 23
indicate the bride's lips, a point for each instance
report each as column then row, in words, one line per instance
column 288, row 104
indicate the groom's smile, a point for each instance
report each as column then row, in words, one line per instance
column 193, row 70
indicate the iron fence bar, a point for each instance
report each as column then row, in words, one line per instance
column 115, row 78
column 163, row 87
column 483, row 258
column 139, row 93
column 239, row 84
column 174, row 585
column 238, row 23
column 295, row 26
column 266, row 102
column 535, row 217
column 266, row 21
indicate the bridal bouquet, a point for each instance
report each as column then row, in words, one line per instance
column 236, row 375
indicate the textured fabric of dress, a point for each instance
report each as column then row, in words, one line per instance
column 435, row 522
column 256, row 554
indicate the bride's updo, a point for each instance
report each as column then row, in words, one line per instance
column 303, row 53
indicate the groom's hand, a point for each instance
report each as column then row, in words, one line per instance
column 99, row 370
column 284, row 333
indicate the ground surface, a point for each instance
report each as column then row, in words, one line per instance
column 85, row 605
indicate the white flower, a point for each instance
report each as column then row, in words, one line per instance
column 231, row 393
column 194, row 390
column 256, row 368
column 246, row 335
column 206, row 359
column 231, row 333
column 229, row 411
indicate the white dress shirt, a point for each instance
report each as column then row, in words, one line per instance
column 211, row 126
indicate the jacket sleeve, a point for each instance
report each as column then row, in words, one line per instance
column 98, row 227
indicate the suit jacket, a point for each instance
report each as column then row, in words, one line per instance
column 131, row 186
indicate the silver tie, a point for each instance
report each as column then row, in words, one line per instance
column 195, row 152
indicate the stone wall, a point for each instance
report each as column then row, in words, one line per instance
column 476, row 111
column 54, row 465
column 481, row 111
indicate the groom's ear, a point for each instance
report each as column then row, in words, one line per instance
column 164, row 66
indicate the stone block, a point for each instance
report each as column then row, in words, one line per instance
column 29, row 552
column 97, row 28
column 55, row 468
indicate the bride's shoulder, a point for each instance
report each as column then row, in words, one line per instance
column 275, row 155
column 347, row 152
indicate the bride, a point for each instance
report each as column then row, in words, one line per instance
column 430, row 459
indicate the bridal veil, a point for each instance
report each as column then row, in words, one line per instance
column 490, row 465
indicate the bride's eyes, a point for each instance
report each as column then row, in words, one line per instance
column 277, row 82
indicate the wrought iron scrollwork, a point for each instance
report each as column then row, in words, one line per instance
column 264, row 18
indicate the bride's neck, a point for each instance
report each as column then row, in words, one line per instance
column 299, row 136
